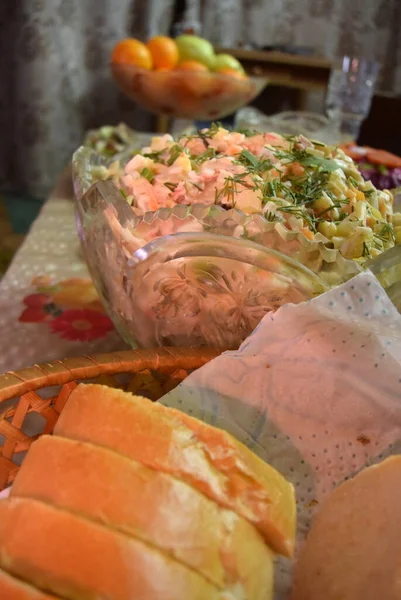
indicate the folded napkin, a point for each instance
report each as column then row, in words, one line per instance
column 315, row 390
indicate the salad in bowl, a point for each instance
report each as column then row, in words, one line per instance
column 208, row 228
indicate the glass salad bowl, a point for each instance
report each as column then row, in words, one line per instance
column 187, row 94
column 180, row 276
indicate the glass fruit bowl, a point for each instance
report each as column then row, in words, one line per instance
column 200, row 285
column 187, row 94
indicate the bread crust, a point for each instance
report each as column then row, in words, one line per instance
column 205, row 457
column 81, row 560
column 99, row 484
column 353, row 550
column 14, row 589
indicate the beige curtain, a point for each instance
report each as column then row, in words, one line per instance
column 55, row 80
column 366, row 28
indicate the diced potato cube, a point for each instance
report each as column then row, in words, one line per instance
column 360, row 210
column 347, row 227
column 322, row 203
column 328, row 229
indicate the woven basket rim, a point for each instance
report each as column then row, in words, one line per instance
column 58, row 372
column 166, row 368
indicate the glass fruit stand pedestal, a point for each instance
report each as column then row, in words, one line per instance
column 198, row 95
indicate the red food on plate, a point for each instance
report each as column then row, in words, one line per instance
column 372, row 155
column 382, row 157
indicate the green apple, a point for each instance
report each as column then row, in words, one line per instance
column 192, row 47
column 226, row 61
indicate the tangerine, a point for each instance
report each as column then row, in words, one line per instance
column 191, row 65
column 164, row 52
column 132, row 52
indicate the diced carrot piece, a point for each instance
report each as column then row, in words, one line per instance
column 308, row 233
column 297, row 169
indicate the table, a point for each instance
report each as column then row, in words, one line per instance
column 51, row 251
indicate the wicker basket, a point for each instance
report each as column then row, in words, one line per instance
column 25, row 414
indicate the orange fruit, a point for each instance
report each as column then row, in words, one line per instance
column 232, row 73
column 164, row 52
column 191, row 65
column 132, row 52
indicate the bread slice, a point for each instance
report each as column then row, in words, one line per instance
column 15, row 589
column 208, row 458
column 153, row 506
column 353, row 550
column 81, row 560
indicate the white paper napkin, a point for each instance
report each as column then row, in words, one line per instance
column 315, row 391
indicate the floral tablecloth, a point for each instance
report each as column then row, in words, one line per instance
column 48, row 307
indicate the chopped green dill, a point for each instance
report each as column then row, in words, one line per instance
column 170, row 186
column 300, row 212
column 213, row 129
column 175, row 152
column 325, row 165
column 249, row 158
column 291, row 138
column 254, row 164
column 247, row 132
column 198, row 159
column 386, row 233
column 228, row 190
column 286, row 191
column 239, row 179
column 308, row 160
column 147, row 174
column 328, row 209
column 366, row 251
column 305, row 189
column 204, row 139
column 269, row 189
column 353, row 182
column 271, row 216
column 378, row 244
column 316, row 143
column 369, row 192
column 198, row 187
column 156, row 155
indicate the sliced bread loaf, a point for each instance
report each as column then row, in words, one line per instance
column 81, row 560
column 15, row 589
column 121, row 493
column 208, row 458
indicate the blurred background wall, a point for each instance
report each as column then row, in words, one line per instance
column 54, row 58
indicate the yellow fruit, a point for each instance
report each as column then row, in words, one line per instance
column 192, row 47
column 132, row 52
column 164, row 52
column 226, row 61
